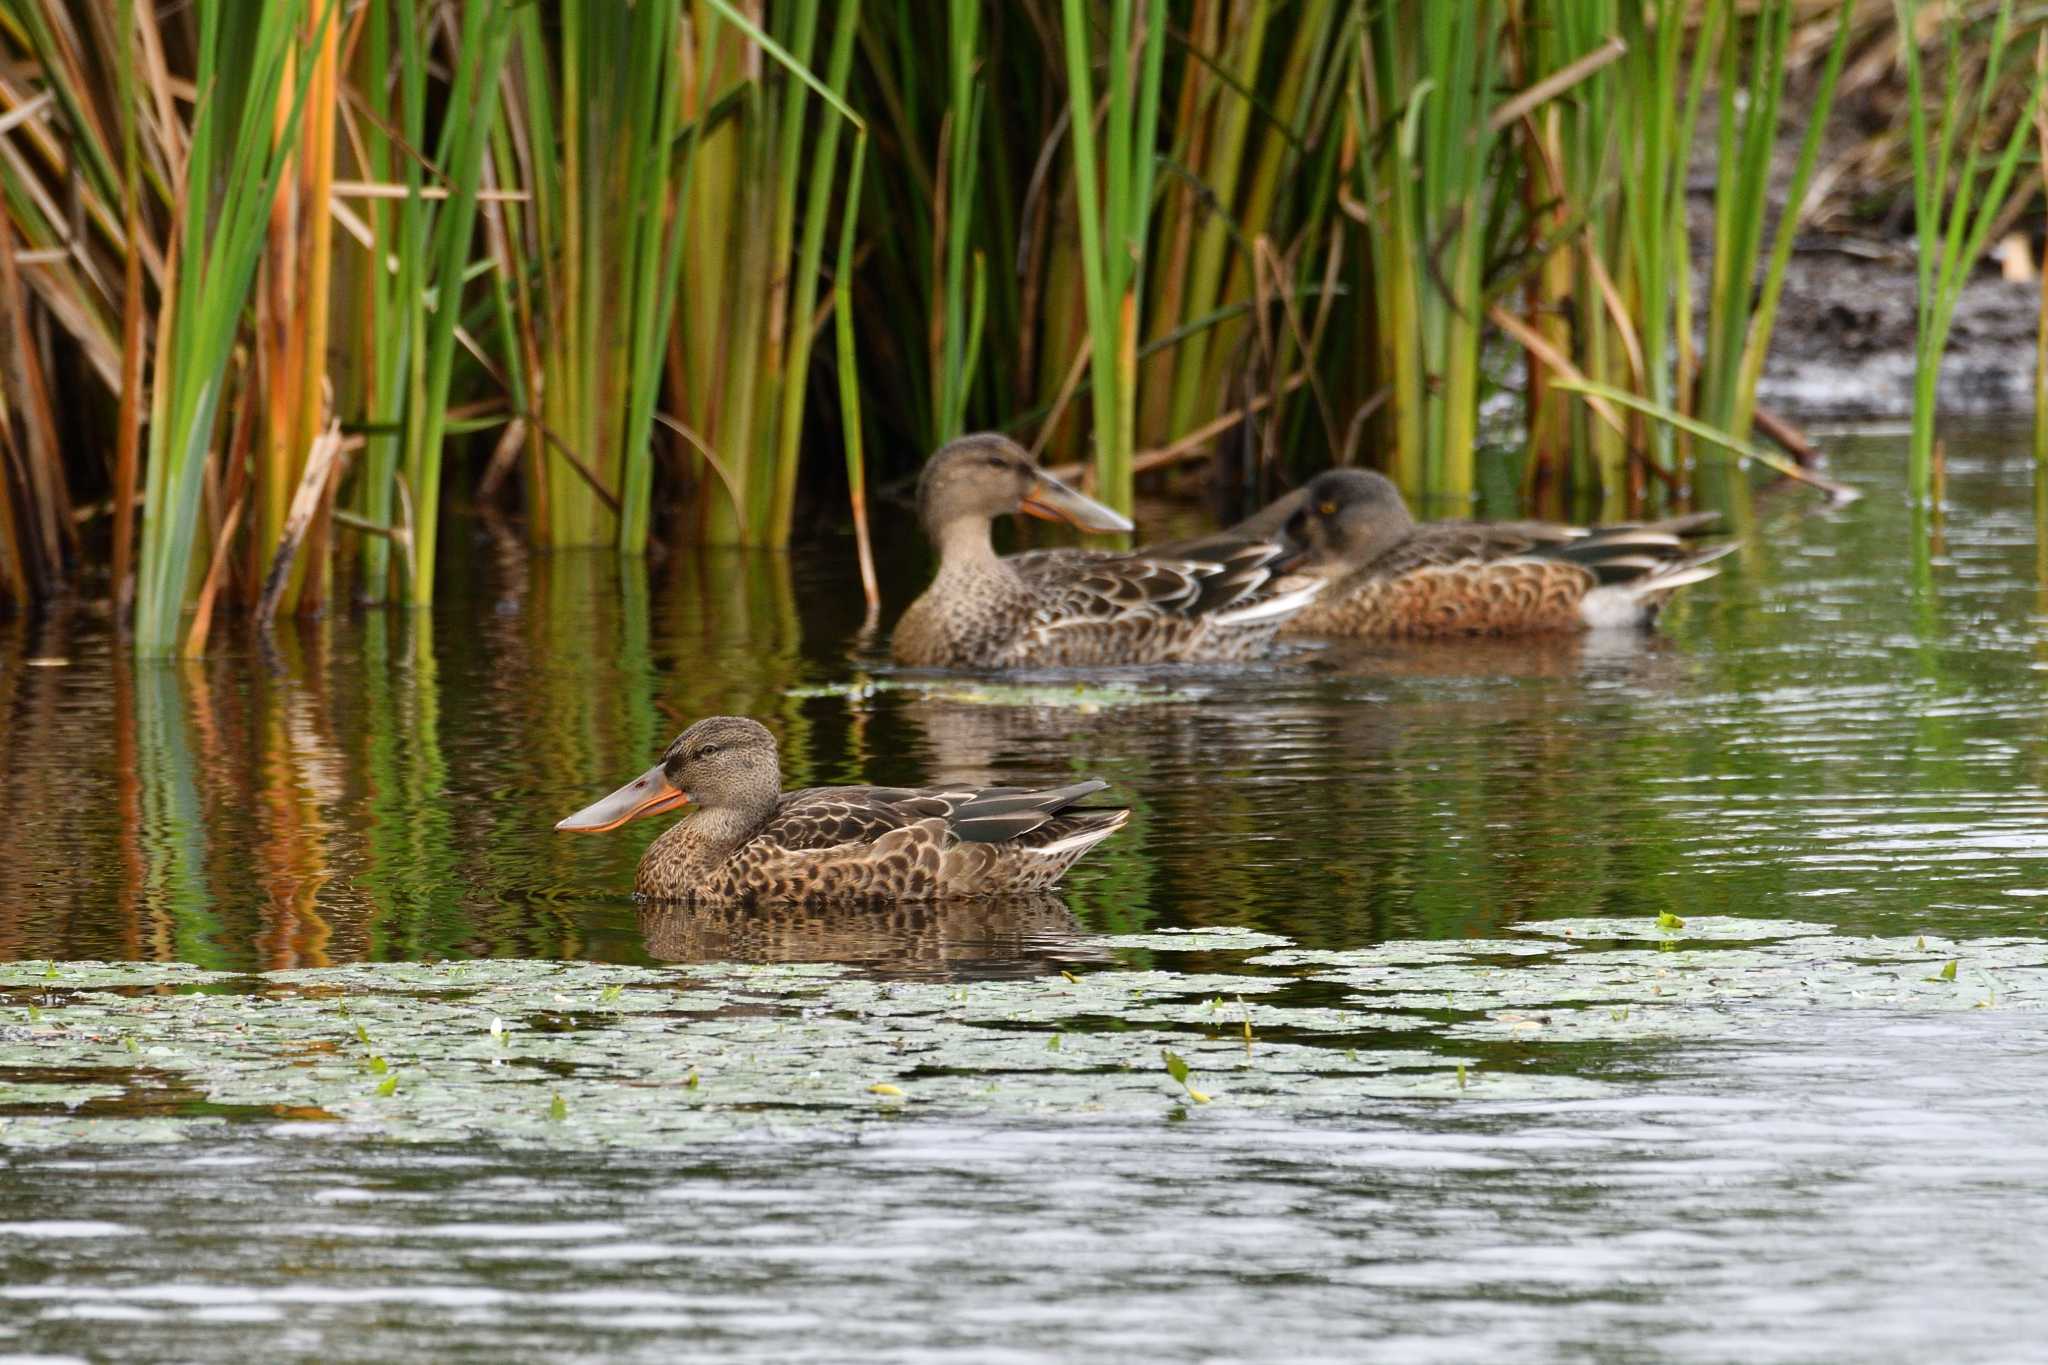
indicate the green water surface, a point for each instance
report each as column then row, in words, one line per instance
column 1644, row 998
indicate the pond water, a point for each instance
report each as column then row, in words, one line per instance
column 1665, row 999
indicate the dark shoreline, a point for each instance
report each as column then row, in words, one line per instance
column 1844, row 342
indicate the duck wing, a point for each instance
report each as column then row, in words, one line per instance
column 1269, row 523
column 1224, row 580
column 1438, row 545
column 818, row 818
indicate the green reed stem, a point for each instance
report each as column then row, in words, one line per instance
column 239, row 76
column 1953, row 219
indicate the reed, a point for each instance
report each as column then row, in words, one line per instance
column 237, row 157
column 1115, row 215
column 962, row 178
column 419, row 187
column 1958, row 195
column 476, row 60
column 739, row 355
column 598, row 110
column 2041, row 332
column 293, row 294
column 1421, row 110
column 849, row 383
column 611, row 238
column 1741, row 310
column 956, row 330
column 1251, row 161
column 61, row 253
column 1601, row 206
column 1607, row 219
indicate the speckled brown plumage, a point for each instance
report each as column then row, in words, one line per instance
column 1500, row 597
column 1391, row 578
column 1053, row 608
column 751, row 843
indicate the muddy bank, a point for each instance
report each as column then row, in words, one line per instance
column 1844, row 341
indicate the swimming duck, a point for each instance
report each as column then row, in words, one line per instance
column 1391, row 577
column 1049, row 608
column 752, row 842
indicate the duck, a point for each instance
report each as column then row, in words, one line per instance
column 1077, row 607
column 1391, row 577
column 749, row 842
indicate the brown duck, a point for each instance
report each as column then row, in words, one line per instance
column 1391, row 577
column 751, row 842
column 1051, row 608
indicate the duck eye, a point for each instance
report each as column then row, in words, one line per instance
column 998, row 462
column 707, row 751
column 1326, row 508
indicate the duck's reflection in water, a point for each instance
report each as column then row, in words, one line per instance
column 1014, row 936
column 1638, row 656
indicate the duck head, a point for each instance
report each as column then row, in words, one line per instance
column 723, row 763
column 982, row 476
column 1348, row 518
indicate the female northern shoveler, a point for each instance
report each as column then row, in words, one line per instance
column 1391, row 577
column 1076, row 607
column 752, row 842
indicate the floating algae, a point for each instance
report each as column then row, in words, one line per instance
column 1720, row 928
column 587, row 1054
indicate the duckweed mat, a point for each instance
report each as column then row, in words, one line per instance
column 588, row 1054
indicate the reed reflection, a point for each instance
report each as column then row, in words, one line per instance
column 409, row 867
column 177, row 910
column 383, row 784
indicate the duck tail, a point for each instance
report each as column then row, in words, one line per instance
column 1074, row 833
column 1277, row 606
column 1635, row 601
column 1005, row 813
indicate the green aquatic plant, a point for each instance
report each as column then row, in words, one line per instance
column 413, row 308
column 604, row 237
column 244, row 76
column 1177, row 1067
column 1605, row 193
column 1959, row 194
column 758, row 207
column 1115, row 209
column 1422, row 117
column 742, row 1038
column 1741, row 309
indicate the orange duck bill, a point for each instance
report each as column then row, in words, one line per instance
column 1053, row 500
column 651, row 793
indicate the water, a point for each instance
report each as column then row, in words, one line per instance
column 1835, row 731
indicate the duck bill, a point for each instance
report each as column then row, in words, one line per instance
column 651, row 793
column 1052, row 500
